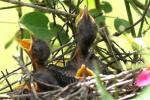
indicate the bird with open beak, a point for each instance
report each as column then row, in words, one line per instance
column 81, row 59
column 39, row 52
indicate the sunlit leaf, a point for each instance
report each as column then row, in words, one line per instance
column 8, row 43
column 37, row 24
column 148, row 13
column 133, row 42
column 97, row 15
column 121, row 24
column 106, row 6
column 95, row 12
column 25, row 34
column 100, row 87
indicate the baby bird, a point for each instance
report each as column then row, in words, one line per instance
column 38, row 51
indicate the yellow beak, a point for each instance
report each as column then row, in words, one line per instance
column 84, row 72
column 83, row 14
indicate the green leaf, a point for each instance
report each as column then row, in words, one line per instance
column 106, row 6
column 25, row 35
column 62, row 36
column 121, row 24
column 37, row 24
column 95, row 12
column 100, row 87
column 8, row 43
column 98, row 16
column 144, row 95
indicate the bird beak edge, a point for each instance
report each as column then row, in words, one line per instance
column 26, row 44
column 84, row 71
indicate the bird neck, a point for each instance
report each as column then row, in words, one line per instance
column 37, row 66
column 80, row 55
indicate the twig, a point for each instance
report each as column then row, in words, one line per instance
column 15, row 70
column 33, row 89
column 127, row 96
column 45, row 9
column 9, row 7
column 73, row 94
column 60, row 92
column 26, row 71
column 1, row 89
column 7, row 81
column 128, row 28
column 12, row 95
column 50, row 93
column 56, row 58
column 120, row 83
column 64, row 45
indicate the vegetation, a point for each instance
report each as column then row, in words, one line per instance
column 121, row 44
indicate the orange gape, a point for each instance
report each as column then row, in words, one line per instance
column 25, row 43
column 27, row 88
column 39, row 52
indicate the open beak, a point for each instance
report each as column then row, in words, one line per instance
column 84, row 72
column 26, row 44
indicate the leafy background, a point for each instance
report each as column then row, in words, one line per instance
column 115, row 14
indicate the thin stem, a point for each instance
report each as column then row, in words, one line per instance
column 137, row 22
column 141, row 26
column 9, row 7
column 130, row 17
column 19, row 10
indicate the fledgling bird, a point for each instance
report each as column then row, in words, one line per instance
column 86, row 30
column 85, row 36
column 38, row 51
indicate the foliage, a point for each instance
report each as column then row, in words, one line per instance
column 57, row 27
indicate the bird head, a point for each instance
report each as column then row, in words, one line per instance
column 37, row 49
column 86, row 29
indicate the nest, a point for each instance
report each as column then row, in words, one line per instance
column 121, row 86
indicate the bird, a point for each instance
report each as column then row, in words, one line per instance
column 39, row 52
column 81, row 61
column 80, row 64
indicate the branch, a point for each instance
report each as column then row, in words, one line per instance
column 7, row 81
column 137, row 22
column 9, row 73
column 44, row 9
